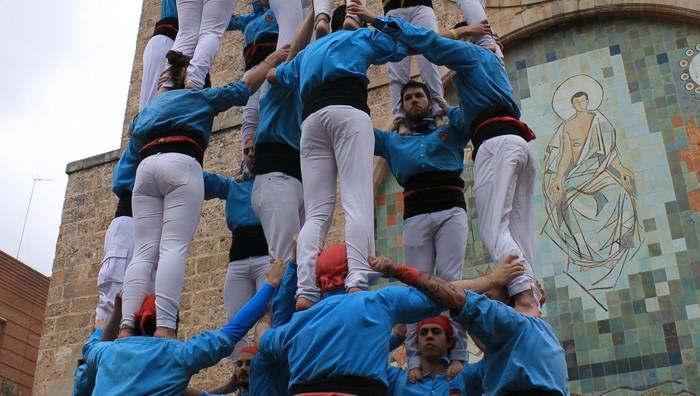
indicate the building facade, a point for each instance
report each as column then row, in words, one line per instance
column 22, row 302
column 617, row 253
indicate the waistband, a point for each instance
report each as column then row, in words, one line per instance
column 256, row 52
column 498, row 123
column 167, row 27
column 124, row 205
column 349, row 91
column 352, row 384
column 393, row 4
column 277, row 157
column 177, row 142
column 531, row 392
column 247, row 241
column 432, row 192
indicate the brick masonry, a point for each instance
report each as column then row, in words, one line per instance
column 22, row 304
column 89, row 204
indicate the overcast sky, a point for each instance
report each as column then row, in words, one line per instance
column 65, row 74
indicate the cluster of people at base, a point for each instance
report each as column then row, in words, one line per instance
column 307, row 126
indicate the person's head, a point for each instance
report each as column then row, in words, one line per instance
column 145, row 319
column 332, row 267
column 434, row 337
column 241, row 367
column 177, row 68
column 248, row 153
column 580, row 101
column 415, row 101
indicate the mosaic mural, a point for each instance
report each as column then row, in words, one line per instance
column 616, row 108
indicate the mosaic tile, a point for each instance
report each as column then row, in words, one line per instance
column 638, row 327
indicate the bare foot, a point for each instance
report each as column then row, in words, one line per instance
column 126, row 331
column 303, row 304
column 322, row 26
column 354, row 289
column 350, row 24
column 164, row 332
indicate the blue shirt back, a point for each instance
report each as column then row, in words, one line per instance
column 522, row 352
column 437, row 149
column 348, row 334
column 340, row 54
column 85, row 374
column 466, row 383
column 256, row 25
column 237, row 195
column 481, row 80
column 176, row 111
column 280, row 117
column 168, row 8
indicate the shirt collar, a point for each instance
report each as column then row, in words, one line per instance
column 445, row 360
column 427, row 127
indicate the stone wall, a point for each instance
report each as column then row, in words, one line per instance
column 89, row 204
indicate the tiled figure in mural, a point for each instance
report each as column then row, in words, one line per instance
column 589, row 195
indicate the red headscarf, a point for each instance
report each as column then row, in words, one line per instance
column 251, row 349
column 332, row 267
column 145, row 319
column 439, row 320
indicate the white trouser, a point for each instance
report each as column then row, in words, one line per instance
column 336, row 141
column 278, row 201
column 153, row 65
column 118, row 249
column 201, row 25
column 243, row 279
column 328, row 6
column 435, row 243
column 400, row 72
column 474, row 12
column 289, row 15
column 167, row 203
column 504, row 183
column 251, row 118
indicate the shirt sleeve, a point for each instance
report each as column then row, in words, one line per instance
column 239, row 22
column 227, row 96
column 271, row 343
column 287, row 74
column 491, row 322
column 205, row 350
column 457, row 124
column 93, row 350
column 408, row 305
column 394, row 342
column 386, row 48
column 380, row 144
column 283, row 303
column 124, row 174
column 215, row 186
column 455, row 54
column 472, row 375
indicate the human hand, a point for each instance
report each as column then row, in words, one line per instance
column 359, row 10
column 455, row 367
column 507, row 270
column 627, row 176
column 383, row 265
column 399, row 125
column 477, row 29
column 414, row 375
column 400, row 331
column 277, row 57
column 293, row 256
column 274, row 276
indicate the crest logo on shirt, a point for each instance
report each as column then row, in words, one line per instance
column 442, row 135
column 269, row 17
column 455, row 392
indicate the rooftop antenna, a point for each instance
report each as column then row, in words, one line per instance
column 26, row 215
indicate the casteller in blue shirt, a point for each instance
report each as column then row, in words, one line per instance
column 349, row 334
column 161, row 366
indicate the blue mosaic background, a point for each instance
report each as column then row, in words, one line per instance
column 629, row 325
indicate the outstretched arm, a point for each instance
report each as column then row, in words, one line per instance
column 303, row 35
column 439, row 290
column 504, row 273
column 111, row 330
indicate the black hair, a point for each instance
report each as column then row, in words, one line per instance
column 414, row 84
column 578, row 95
